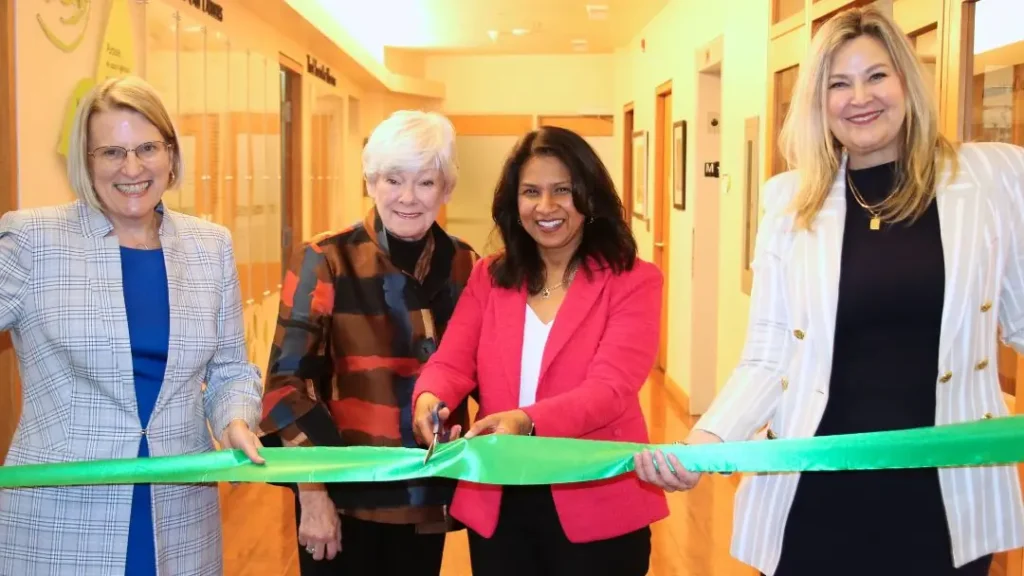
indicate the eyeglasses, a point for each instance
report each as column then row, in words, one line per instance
column 116, row 156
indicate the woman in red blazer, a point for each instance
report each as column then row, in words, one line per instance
column 558, row 333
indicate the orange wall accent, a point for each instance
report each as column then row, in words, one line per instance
column 583, row 125
column 492, row 124
column 319, row 148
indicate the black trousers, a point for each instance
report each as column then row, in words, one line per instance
column 886, row 566
column 369, row 548
column 529, row 540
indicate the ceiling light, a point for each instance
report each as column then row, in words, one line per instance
column 597, row 11
column 520, row 31
column 493, row 34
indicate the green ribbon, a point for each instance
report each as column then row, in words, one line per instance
column 520, row 460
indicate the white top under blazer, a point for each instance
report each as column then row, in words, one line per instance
column 782, row 380
column 535, row 339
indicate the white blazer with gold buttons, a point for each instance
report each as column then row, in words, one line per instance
column 782, row 380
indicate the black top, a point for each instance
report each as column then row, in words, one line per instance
column 884, row 377
column 405, row 253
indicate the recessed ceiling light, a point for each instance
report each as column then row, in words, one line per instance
column 597, row 11
column 520, row 31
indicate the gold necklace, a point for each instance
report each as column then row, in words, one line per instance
column 876, row 220
column 545, row 293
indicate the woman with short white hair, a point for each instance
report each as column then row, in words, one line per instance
column 885, row 264
column 362, row 310
column 121, row 310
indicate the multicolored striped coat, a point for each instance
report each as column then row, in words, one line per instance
column 352, row 335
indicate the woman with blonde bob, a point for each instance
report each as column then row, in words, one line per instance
column 886, row 262
column 120, row 311
column 362, row 311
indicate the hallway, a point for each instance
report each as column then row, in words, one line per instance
column 693, row 541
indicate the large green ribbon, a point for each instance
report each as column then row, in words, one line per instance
column 518, row 460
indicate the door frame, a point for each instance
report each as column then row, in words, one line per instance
column 291, row 145
column 10, row 399
column 662, row 213
column 709, row 60
column 8, row 112
column 628, row 124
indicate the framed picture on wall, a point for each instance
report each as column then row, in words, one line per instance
column 640, row 174
column 751, row 198
column 679, row 165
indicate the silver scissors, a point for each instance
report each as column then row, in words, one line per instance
column 436, row 418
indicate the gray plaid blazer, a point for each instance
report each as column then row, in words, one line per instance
column 61, row 297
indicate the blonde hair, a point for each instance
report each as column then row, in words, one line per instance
column 810, row 147
column 410, row 141
column 122, row 93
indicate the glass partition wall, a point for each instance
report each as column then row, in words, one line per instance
column 225, row 99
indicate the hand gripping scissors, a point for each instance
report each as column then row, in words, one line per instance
column 436, row 418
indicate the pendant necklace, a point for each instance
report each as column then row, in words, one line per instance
column 545, row 293
column 876, row 222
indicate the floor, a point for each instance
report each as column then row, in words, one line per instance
column 259, row 535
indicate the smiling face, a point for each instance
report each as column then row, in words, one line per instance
column 866, row 105
column 129, row 187
column 408, row 202
column 546, row 207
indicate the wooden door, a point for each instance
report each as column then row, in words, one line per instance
column 662, row 206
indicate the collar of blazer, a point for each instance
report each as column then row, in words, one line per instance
column 510, row 306
column 818, row 252
column 96, row 223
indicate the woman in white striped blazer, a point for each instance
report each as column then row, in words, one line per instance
column 884, row 265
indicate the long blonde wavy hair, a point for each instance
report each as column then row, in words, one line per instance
column 809, row 146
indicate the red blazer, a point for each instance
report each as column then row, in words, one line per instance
column 599, row 353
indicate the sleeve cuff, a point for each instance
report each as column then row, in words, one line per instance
column 227, row 412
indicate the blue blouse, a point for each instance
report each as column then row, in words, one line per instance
column 147, row 305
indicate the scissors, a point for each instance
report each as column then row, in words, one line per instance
column 437, row 430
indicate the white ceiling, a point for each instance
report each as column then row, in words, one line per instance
column 464, row 26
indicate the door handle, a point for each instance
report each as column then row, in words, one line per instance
column 659, row 244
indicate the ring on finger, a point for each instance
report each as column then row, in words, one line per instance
column 311, row 548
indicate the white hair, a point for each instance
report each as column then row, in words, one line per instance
column 410, row 141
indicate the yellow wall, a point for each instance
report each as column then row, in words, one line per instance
column 548, row 84
column 672, row 40
column 44, row 80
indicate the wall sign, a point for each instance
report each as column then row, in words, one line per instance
column 116, row 58
column 208, row 7
column 321, row 71
column 77, row 18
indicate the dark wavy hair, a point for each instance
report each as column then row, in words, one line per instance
column 607, row 239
